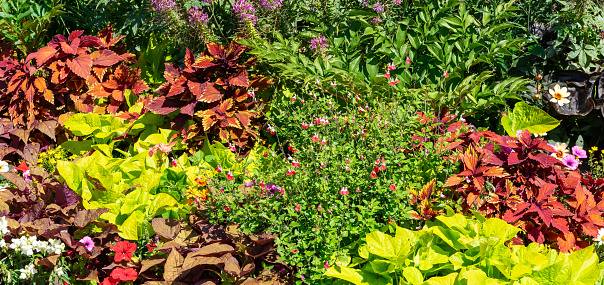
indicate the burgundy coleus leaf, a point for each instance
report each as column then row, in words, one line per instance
column 172, row 72
column 545, row 214
column 241, row 79
column 164, row 106
column 210, row 94
column 189, row 58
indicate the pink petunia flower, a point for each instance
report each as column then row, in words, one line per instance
column 88, row 243
column 570, row 162
column 579, row 152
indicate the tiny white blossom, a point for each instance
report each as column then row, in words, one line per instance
column 600, row 238
column 4, row 166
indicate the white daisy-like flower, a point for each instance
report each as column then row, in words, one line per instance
column 561, row 150
column 600, row 238
column 559, row 95
column 4, row 166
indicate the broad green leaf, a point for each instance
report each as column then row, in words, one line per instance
column 131, row 226
column 526, row 117
column 413, row 275
column 584, row 266
column 72, row 174
column 351, row 275
column 83, row 124
column 500, row 229
column 444, row 280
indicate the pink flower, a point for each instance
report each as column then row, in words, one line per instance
column 315, row 138
column 373, row 174
column 344, row 191
column 326, row 265
column 290, row 172
column 579, row 152
column 230, row 176
column 251, row 93
column 408, row 60
column 383, row 166
column 319, row 208
column 391, row 66
column 393, row 187
column 294, row 98
column 305, row 126
column 297, row 208
column 295, row 250
column 570, row 162
column 295, row 163
column 387, row 75
column 152, row 151
column 218, row 169
column 323, row 142
column 347, row 168
column 446, row 74
column 232, row 147
column 347, row 159
column 173, row 162
column 164, row 148
column 88, row 243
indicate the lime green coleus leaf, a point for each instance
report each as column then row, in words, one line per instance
column 413, row 275
column 526, row 117
column 442, row 280
column 357, row 277
column 132, row 226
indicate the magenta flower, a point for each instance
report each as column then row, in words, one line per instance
column 376, row 20
column 245, row 10
column 319, row 43
column 197, row 16
column 570, row 162
column 27, row 176
column 88, row 243
column 579, row 152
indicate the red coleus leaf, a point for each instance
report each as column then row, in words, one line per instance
column 164, row 106
column 81, row 65
column 127, row 274
column 74, row 35
column 171, row 72
column 189, row 58
column 71, row 48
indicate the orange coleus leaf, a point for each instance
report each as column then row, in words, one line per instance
column 81, row 65
column 241, row 79
column 566, row 242
column 105, row 57
column 244, row 117
column 44, row 54
column 70, row 48
column 210, row 94
column 98, row 91
column 204, row 62
column 177, row 86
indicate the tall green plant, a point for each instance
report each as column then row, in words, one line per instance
column 24, row 23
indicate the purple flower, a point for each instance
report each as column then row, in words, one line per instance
column 570, row 162
column 396, row 2
column 378, row 7
column 88, row 243
column 271, row 4
column 272, row 188
column 27, row 176
column 319, row 43
column 197, row 16
column 365, row 4
column 163, row 5
column 579, row 152
column 376, row 20
column 245, row 11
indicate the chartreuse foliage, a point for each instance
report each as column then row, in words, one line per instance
column 459, row 250
column 526, row 117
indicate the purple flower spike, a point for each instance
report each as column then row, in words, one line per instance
column 319, row 43
column 579, row 152
column 88, row 243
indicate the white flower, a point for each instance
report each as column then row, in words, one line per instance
column 600, row 238
column 28, row 272
column 3, row 166
column 2, row 243
column 3, row 226
column 559, row 95
column 58, row 270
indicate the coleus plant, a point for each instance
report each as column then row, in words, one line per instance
column 517, row 180
column 85, row 68
column 216, row 90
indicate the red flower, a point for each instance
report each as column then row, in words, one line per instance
column 23, row 167
column 151, row 246
column 408, row 60
column 294, row 250
column 123, row 250
column 326, row 265
column 393, row 187
column 173, row 162
column 266, row 154
column 446, row 74
column 226, row 208
column 128, row 274
column 373, row 174
column 230, row 176
column 297, row 208
column 387, row 75
column 290, row 172
column 110, row 281
column 315, row 138
column 383, row 166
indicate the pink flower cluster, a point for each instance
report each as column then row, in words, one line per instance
column 319, row 43
column 161, row 6
column 245, row 11
column 165, row 148
column 197, row 16
column 271, row 4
